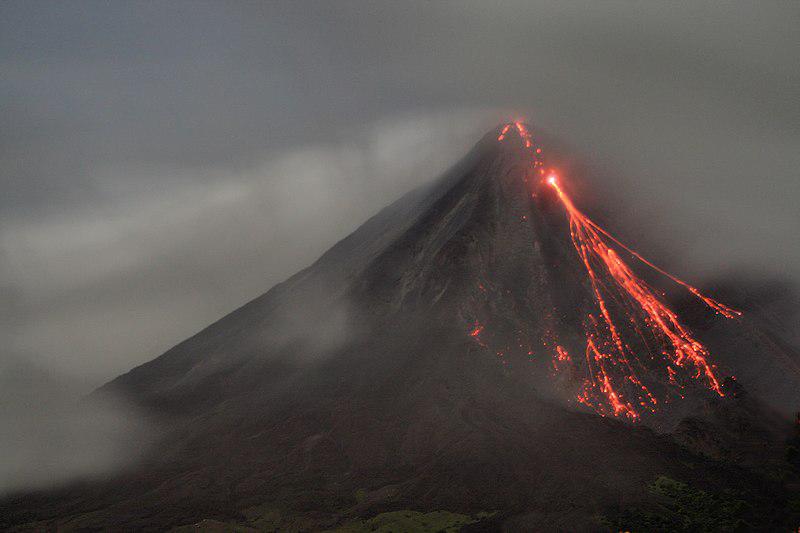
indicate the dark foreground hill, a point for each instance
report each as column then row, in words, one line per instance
column 408, row 379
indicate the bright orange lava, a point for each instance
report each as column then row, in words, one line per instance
column 608, row 356
column 625, row 306
column 503, row 133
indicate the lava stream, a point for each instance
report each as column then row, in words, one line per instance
column 613, row 281
column 627, row 311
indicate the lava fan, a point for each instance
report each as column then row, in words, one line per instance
column 634, row 342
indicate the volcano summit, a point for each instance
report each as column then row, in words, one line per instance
column 480, row 351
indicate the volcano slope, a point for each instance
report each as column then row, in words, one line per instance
column 421, row 365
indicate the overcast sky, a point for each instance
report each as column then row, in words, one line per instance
column 162, row 163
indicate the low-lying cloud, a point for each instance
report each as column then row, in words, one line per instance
column 51, row 436
column 106, row 288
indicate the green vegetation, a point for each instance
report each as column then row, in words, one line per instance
column 686, row 509
column 266, row 519
column 213, row 526
column 411, row 522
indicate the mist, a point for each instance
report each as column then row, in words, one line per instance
column 162, row 164
column 51, row 436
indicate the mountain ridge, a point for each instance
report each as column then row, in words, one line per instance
column 363, row 374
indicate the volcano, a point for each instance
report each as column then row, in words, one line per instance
column 480, row 349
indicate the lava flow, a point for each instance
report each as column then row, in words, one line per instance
column 629, row 319
column 611, row 362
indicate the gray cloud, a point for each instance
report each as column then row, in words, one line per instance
column 49, row 437
column 162, row 163
column 109, row 286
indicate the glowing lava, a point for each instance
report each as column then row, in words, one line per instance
column 503, row 133
column 626, row 303
column 629, row 319
column 524, row 134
